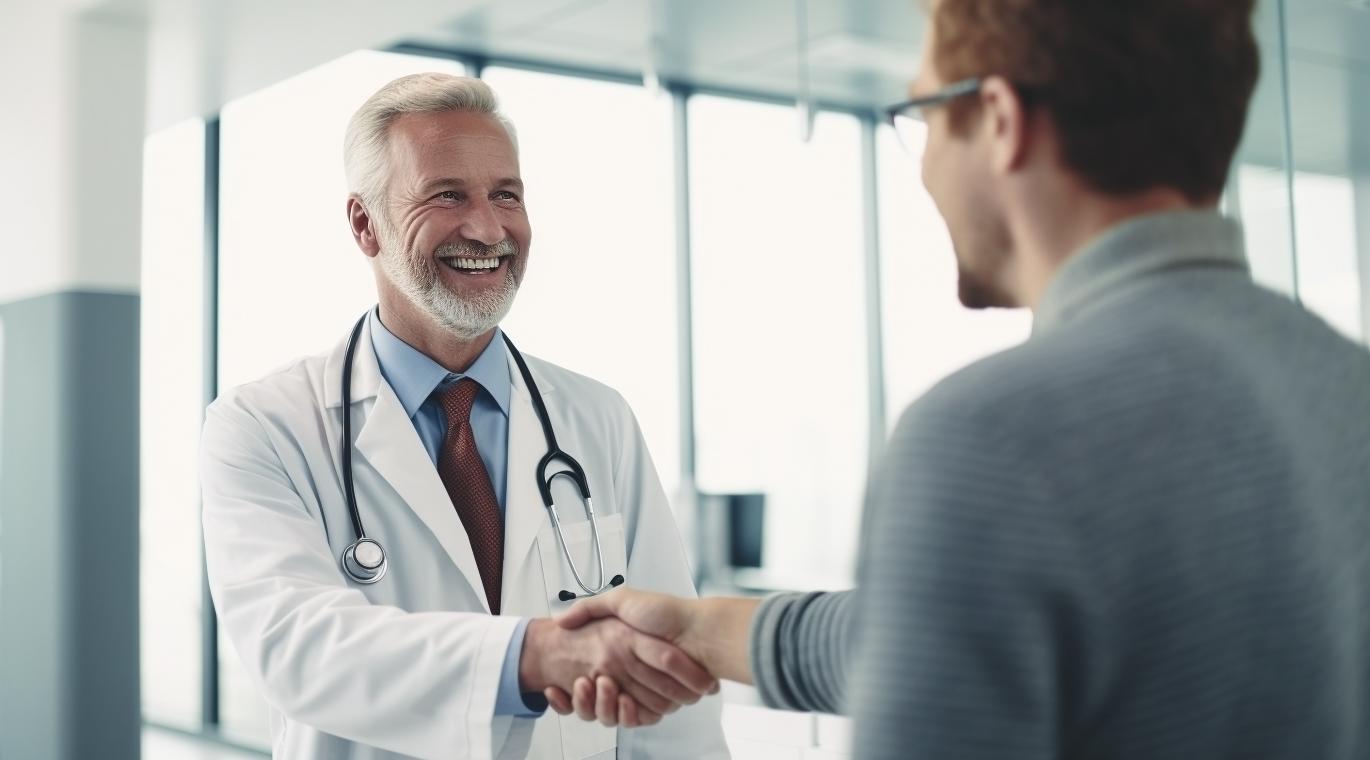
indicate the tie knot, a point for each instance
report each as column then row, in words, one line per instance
column 457, row 398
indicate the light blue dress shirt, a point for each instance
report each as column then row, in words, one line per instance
column 416, row 379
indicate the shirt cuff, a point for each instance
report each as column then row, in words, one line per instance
column 508, row 700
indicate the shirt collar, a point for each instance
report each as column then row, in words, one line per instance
column 1135, row 249
column 414, row 375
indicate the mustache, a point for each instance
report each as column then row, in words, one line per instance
column 470, row 249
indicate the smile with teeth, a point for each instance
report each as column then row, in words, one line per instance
column 473, row 265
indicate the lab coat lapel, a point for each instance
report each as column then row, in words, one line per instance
column 390, row 444
column 524, row 511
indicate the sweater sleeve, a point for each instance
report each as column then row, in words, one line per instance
column 801, row 649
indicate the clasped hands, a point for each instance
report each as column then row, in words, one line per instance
column 626, row 658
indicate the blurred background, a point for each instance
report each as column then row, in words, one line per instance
column 709, row 182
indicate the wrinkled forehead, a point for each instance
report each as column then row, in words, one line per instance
column 463, row 142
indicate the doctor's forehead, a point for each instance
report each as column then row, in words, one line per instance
column 446, row 141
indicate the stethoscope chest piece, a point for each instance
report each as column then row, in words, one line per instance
column 365, row 561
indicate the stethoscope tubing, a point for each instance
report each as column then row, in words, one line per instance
column 362, row 573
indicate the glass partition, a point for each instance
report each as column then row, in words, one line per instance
column 780, row 348
column 171, row 410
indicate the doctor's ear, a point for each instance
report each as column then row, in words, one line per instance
column 363, row 227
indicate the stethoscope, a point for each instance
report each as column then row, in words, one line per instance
column 365, row 560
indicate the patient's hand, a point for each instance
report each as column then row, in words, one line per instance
column 711, row 632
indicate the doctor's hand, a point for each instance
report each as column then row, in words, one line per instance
column 713, row 632
column 650, row 677
column 666, row 617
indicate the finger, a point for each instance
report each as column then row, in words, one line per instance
column 662, row 684
column 627, row 712
column 558, row 700
column 606, row 701
column 586, row 610
column 645, row 695
column 668, row 659
column 583, row 698
column 644, row 716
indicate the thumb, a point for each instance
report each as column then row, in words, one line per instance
column 586, row 610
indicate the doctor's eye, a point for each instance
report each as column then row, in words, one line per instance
column 507, row 196
column 448, row 195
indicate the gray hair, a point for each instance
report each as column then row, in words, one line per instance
column 367, row 142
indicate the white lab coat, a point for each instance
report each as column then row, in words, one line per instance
column 409, row 666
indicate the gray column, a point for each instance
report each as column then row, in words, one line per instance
column 69, row 527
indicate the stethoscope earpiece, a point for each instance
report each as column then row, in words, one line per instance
column 567, row 596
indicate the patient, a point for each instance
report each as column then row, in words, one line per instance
column 1145, row 533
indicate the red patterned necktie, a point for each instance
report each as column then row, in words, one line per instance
column 468, row 485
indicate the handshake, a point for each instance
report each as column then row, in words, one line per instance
column 629, row 657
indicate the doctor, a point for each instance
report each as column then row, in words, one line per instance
column 431, row 636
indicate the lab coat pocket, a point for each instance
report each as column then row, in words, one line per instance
column 556, row 570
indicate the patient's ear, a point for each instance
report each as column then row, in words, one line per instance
column 1006, row 117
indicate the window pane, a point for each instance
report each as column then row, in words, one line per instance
column 928, row 334
column 1262, row 201
column 599, row 296
column 1331, row 150
column 172, row 406
column 291, row 280
column 1329, row 271
column 779, row 327
column 1258, row 189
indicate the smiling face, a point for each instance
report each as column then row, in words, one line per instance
column 453, row 234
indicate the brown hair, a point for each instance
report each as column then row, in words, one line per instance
column 1144, row 93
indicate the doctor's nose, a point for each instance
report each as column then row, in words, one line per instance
column 482, row 225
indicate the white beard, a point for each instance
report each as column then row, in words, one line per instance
column 415, row 274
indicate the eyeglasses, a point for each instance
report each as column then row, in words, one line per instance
column 908, row 117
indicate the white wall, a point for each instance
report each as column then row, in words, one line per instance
column 70, row 148
column 32, row 159
column 85, row 80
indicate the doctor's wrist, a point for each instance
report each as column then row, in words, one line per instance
column 532, row 660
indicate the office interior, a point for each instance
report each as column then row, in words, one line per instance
column 721, row 217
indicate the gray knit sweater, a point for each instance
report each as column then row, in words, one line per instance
column 1145, row 533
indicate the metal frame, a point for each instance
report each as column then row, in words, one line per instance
column 476, row 63
column 684, row 252
column 209, row 621
column 680, row 136
column 875, row 337
column 1287, row 105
